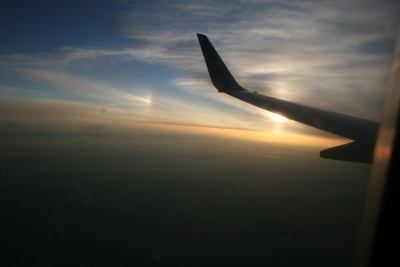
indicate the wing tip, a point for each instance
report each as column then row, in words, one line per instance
column 220, row 76
column 202, row 38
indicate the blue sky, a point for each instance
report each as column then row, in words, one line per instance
column 143, row 58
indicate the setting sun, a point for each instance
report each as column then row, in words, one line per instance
column 277, row 117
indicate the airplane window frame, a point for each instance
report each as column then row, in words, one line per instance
column 379, row 228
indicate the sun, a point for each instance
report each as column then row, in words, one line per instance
column 277, row 117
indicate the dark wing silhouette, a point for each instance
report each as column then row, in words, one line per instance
column 362, row 131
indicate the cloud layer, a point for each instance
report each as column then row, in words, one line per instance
column 333, row 55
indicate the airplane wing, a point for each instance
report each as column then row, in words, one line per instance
column 363, row 132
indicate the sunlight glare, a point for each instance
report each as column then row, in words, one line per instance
column 277, row 117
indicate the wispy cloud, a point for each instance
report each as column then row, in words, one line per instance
column 329, row 54
column 312, row 48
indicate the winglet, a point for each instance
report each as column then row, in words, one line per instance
column 220, row 76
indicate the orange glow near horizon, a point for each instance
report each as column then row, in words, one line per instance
column 238, row 134
column 37, row 114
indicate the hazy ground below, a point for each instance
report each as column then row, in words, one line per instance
column 83, row 196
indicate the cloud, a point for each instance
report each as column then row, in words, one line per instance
column 76, row 84
column 329, row 54
column 311, row 48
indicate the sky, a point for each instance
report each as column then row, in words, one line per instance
column 141, row 62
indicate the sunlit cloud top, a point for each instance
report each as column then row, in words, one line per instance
column 143, row 57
